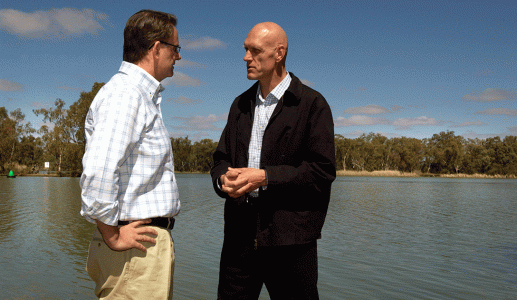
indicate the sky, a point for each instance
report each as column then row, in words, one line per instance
column 396, row 68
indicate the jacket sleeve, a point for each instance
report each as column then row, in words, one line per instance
column 222, row 161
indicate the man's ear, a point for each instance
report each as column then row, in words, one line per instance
column 155, row 50
column 280, row 53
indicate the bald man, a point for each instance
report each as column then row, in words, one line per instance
column 274, row 165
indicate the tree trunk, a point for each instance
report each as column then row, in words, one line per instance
column 60, row 160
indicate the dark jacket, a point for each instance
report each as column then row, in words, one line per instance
column 299, row 157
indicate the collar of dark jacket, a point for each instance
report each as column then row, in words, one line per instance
column 291, row 95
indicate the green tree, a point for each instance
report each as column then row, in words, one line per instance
column 74, row 124
column 30, row 153
column 12, row 129
column 57, row 138
column 502, row 155
column 407, row 154
column 182, row 150
column 476, row 159
column 7, row 137
column 76, row 115
column 446, row 153
column 510, row 143
column 65, row 138
column 344, row 147
column 202, row 153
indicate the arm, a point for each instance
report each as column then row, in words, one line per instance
column 114, row 125
column 229, row 181
column 128, row 236
column 221, row 163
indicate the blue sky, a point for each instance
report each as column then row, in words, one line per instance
column 398, row 68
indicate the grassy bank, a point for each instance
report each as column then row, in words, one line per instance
column 376, row 173
column 416, row 174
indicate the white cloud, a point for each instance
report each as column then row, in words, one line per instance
column 198, row 123
column 307, row 82
column 183, row 63
column 39, row 105
column 367, row 109
column 491, row 95
column 513, row 130
column 184, row 100
column 52, row 24
column 467, row 124
column 359, row 120
column 396, row 107
column 389, row 134
column 68, row 88
column 9, row 86
column 418, row 121
column 498, row 111
column 473, row 135
column 204, row 43
column 182, row 79
column 353, row 134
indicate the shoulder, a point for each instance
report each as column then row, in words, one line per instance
column 302, row 94
column 120, row 86
column 244, row 100
column 119, row 95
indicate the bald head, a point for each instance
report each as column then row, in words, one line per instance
column 271, row 34
column 266, row 50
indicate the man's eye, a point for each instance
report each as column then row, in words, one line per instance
column 252, row 50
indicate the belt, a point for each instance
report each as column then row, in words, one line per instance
column 165, row 223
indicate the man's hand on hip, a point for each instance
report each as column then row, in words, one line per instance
column 128, row 236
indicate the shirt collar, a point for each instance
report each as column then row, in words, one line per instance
column 144, row 79
column 279, row 90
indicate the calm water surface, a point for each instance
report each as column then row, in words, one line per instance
column 385, row 238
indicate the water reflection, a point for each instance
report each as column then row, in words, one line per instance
column 384, row 238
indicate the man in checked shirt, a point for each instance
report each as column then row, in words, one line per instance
column 128, row 185
column 274, row 165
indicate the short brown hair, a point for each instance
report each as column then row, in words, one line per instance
column 143, row 29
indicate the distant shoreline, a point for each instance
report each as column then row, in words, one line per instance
column 350, row 174
column 417, row 174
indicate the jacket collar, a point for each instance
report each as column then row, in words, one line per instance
column 291, row 95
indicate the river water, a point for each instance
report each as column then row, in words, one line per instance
column 384, row 238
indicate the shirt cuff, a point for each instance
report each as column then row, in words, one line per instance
column 219, row 184
column 264, row 187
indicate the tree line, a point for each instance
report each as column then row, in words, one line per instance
column 443, row 153
column 62, row 144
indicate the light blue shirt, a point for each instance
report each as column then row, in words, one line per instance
column 263, row 110
column 128, row 164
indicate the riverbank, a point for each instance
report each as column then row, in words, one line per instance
column 349, row 173
column 417, row 174
column 35, row 175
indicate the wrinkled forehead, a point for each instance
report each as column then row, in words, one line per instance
column 259, row 38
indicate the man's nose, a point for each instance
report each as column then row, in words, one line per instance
column 247, row 56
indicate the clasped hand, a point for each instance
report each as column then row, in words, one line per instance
column 239, row 181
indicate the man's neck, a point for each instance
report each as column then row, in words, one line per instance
column 266, row 86
column 147, row 64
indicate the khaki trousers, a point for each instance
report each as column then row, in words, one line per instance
column 132, row 274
